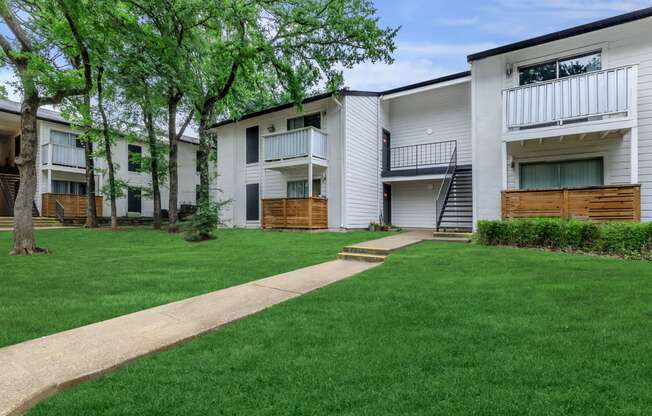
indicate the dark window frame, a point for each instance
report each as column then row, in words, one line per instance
column 135, row 192
column 252, row 212
column 133, row 166
column 559, row 163
column 316, row 113
column 252, row 145
column 556, row 61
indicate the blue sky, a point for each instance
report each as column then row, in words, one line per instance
column 436, row 35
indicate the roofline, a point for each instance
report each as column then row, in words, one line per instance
column 563, row 34
column 345, row 92
column 439, row 80
column 66, row 123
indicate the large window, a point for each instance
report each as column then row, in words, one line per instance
column 253, row 202
column 68, row 187
column 135, row 154
column 299, row 189
column 563, row 174
column 63, row 138
column 309, row 120
column 560, row 68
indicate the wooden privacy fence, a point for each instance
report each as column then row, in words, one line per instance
column 74, row 205
column 297, row 213
column 598, row 203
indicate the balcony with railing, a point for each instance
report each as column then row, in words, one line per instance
column 606, row 95
column 295, row 145
column 59, row 155
column 418, row 159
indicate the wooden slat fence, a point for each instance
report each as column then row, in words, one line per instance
column 74, row 205
column 295, row 213
column 600, row 203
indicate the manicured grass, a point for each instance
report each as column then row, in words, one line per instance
column 439, row 329
column 93, row 275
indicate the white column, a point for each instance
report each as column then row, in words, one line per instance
column 633, row 163
column 503, row 160
column 310, row 137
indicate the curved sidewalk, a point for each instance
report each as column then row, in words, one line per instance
column 34, row 370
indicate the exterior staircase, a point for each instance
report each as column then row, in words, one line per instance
column 39, row 222
column 457, row 212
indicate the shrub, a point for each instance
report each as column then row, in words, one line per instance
column 633, row 240
column 202, row 224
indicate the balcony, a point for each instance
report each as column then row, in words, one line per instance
column 595, row 97
column 55, row 154
column 286, row 147
column 418, row 159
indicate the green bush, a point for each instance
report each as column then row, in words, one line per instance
column 632, row 240
column 201, row 225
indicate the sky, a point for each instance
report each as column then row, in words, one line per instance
column 435, row 36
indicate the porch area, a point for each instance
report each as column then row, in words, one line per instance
column 295, row 213
column 66, row 206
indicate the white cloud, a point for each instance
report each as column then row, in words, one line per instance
column 469, row 21
column 380, row 77
column 432, row 50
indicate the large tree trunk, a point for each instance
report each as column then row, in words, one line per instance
column 174, row 175
column 154, row 167
column 91, row 209
column 24, row 241
column 107, row 150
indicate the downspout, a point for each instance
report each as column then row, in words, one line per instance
column 342, row 162
column 378, row 139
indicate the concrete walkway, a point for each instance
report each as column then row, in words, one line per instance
column 34, row 370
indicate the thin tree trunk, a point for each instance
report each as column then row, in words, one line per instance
column 202, row 160
column 173, row 198
column 107, row 149
column 91, row 209
column 24, row 241
column 153, row 165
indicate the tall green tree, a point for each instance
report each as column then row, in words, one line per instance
column 50, row 57
column 294, row 45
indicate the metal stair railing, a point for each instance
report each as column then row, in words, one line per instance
column 445, row 187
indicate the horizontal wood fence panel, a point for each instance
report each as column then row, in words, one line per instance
column 600, row 203
column 74, row 205
column 295, row 213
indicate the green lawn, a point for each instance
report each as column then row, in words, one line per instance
column 439, row 329
column 93, row 275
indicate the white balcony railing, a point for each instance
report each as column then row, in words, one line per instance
column 296, row 143
column 63, row 155
column 591, row 95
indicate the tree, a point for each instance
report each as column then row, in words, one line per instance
column 48, row 53
column 294, row 44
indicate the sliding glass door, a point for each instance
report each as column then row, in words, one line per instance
column 562, row 174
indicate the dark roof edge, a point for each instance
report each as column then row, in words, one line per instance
column 563, row 34
column 439, row 80
column 66, row 123
column 345, row 92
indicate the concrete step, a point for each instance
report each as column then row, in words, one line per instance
column 366, row 250
column 451, row 234
column 452, row 240
column 367, row 258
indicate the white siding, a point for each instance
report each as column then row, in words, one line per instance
column 444, row 111
column 362, row 161
column 413, row 204
column 621, row 45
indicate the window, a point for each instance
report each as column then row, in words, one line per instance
column 564, row 174
column 313, row 120
column 299, row 189
column 63, row 138
column 68, row 187
column 252, row 144
column 560, row 68
column 134, row 154
column 134, row 200
column 253, row 202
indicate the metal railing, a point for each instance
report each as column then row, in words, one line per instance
column 444, row 188
column 296, row 143
column 420, row 156
column 592, row 94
